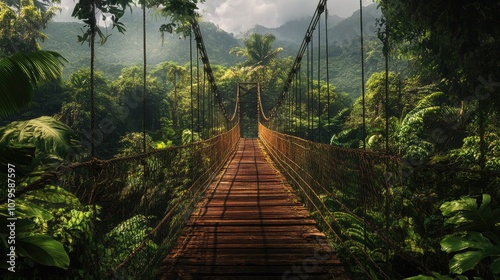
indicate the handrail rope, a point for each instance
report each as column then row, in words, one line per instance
column 324, row 219
column 298, row 59
column 189, row 234
column 181, row 199
column 382, row 233
column 50, row 176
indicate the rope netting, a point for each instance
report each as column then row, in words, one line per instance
column 141, row 201
column 377, row 210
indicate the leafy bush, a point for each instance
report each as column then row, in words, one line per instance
column 31, row 239
column 476, row 239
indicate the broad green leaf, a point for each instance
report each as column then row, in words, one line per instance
column 436, row 276
column 465, row 261
column 479, row 247
column 54, row 195
column 24, row 225
column 458, row 205
column 466, row 216
column 495, row 266
column 453, row 243
column 48, row 135
column 19, row 156
column 31, row 210
column 43, row 249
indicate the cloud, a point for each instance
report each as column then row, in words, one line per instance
column 67, row 7
column 240, row 15
column 237, row 16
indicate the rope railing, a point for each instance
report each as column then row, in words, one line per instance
column 372, row 204
column 139, row 221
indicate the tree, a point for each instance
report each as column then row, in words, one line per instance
column 128, row 91
column 258, row 50
column 179, row 12
column 453, row 42
column 87, row 10
column 21, row 23
column 23, row 67
column 75, row 111
column 177, row 75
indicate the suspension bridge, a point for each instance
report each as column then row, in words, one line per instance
column 252, row 201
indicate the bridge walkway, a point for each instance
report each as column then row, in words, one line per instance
column 250, row 225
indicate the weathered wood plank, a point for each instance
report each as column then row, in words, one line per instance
column 250, row 225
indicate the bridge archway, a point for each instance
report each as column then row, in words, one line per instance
column 248, row 106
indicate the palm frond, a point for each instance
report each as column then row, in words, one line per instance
column 51, row 138
column 20, row 73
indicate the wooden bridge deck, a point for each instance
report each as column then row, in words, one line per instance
column 250, row 225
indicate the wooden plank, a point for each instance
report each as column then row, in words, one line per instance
column 250, row 225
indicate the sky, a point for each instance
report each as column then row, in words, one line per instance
column 236, row 16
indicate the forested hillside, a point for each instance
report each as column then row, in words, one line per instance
column 341, row 30
column 123, row 50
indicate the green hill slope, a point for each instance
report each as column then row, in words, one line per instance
column 122, row 50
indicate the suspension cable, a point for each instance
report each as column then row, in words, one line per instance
column 386, row 53
column 198, row 126
column 297, row 104
column 204, row 103
column 259, row 103
column 144, row 65
column 191, row 81
column 363, row 93
column 311, row 97
column 319, row 84
column 308, row 99
column 208, row 69
column 92, row 78
column 298, row 59
column 329, row 131
column 300, row 104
